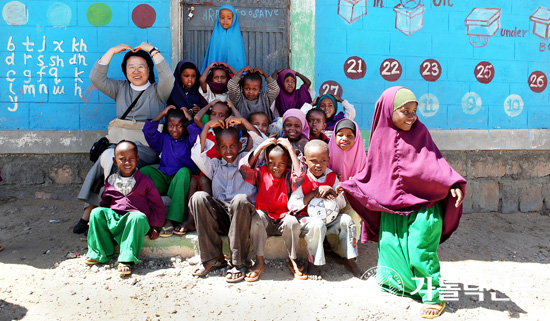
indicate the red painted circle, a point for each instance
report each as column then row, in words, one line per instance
column 430, row 70
column 391, row 70
column 537, row 81
column 144, row 16
column 355, row 68
column 331, row 87
column 484, row 72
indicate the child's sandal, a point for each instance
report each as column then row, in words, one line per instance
column 124, row 268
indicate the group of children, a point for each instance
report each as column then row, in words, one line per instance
column 249, row 164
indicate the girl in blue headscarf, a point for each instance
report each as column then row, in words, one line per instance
column 226, row 43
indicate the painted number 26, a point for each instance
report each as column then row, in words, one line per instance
column 538, row 81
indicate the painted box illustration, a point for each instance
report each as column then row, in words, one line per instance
column 351, row 10
column 483, row 21
column 541, row 19
column 409, row 20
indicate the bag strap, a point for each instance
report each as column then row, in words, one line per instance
column 131, row 105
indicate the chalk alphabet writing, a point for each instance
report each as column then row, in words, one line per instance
column 29, row 70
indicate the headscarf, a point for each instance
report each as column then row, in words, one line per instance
column 336, row 117
column 302, row 117
column 405, row 172
column 143, row 54
column 218, row 88
column 179, row 96
column 349, row 162
column 296, row 99
column 226, row 45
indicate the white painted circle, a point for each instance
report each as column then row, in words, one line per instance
column 428, row 105
column 471, row 103
column 15, row 13
column 513, row 105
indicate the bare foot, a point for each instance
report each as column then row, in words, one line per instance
column 431, row 311
column 351, row 265
column 256, row 270
column 314, row 272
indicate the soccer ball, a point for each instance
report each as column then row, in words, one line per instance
column 327, row 210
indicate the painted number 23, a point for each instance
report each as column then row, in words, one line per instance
column 430, row 70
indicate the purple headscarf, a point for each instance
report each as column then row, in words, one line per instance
column 296, row 99
column 179, row 96
column 405, row 173
column 302, row 117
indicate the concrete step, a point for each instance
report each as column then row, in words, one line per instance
column 186, row 246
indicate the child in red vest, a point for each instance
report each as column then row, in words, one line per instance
column 321, row 182
column 275, row 182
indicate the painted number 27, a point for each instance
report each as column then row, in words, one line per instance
column 331, row 87
column 430, row 70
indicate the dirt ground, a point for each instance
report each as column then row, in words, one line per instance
column 499, row 263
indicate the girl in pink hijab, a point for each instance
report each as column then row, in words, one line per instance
column 346, row 150
column 295, row 127
column 409, row 198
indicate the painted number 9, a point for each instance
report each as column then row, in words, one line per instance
column 430, row 70
column 391, row 70
column 355, row 68
column 538, row 81
column 331, row 87
column 484, row 72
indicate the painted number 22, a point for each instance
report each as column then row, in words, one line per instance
column 430, row 70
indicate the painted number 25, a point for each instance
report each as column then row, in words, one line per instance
column 484, row 72
column 430, row 70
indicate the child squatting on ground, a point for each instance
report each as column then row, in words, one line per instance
column 321, row 183
column 228, row 211
column 130, row 208
column 275, row 182
column 409, row 197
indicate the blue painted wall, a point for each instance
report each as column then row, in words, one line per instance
column 47, row 49
column 376, row 30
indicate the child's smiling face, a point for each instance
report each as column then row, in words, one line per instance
column 175, row 127
column 317, row 123
column 126, row 158
column 317, row 159
column 219, row 77
column 188, row 77
column 251, row 89
column 292, row 127
column 226, row 18
column 219, row 112
column 404, row 117
column 289, row 84
column 327, row 106
column 261, row 121
column 345, row 138
column 228, row 146
column 277, row 163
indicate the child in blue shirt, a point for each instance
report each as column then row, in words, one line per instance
column 172, row 177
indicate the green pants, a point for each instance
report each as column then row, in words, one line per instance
column 175, row 186
column 107, row 229
column 408, row 246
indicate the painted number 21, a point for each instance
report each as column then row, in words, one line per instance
column 355, row 68
column 430, row 70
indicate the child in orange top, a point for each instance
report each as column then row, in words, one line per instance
column 275, row 183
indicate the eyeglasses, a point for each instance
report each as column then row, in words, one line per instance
column 139, row 68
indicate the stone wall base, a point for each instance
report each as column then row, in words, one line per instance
column 498, row 181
